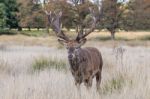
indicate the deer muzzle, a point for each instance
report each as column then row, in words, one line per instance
column 71, row 56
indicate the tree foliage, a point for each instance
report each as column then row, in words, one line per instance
column 9, row 8
column 30, row 15
column 138, row 15
column 112, row 16
column 75, row 13
column 2, row 15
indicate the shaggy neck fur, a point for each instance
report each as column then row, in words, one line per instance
column 74, row 62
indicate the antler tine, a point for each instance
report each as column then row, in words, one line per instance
column 75, row 1
column 83, row 33
column 93, row 24
column 56, row 25
column 95, row 18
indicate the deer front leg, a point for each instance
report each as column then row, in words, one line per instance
column 88, row 82
column 78, row 82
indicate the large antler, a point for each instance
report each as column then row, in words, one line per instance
column 54, row 19
column 55, row 22
column 95, row 18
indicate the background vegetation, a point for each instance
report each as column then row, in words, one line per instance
column 124, row 15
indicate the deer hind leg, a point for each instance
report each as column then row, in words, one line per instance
column 98, row 80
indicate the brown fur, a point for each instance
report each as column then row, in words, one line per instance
column 86, row 65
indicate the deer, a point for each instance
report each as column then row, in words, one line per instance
column 85, row 62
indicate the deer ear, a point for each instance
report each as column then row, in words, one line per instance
column 62, row 42
column 82, row 42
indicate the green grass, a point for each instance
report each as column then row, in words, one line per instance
column 115, row 84
column 49, row 63
column 34, row 33
column 118, row 38
column 7, row 32
column 101, row 38
column 106, row 38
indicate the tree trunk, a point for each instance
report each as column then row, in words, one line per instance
column 19, row 28
column 29, row 29
column 68, row 29
column 10, row 28
column 47, row 29
column 113, row 35
column 38, row 28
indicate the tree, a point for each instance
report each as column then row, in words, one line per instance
column 8, row 9
column 11, row 16
column 38, row 20
column 112, row 15
column 2, row 15
column 30, row 15
column 138, row 16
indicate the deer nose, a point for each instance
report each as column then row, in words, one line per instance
column 70, row 56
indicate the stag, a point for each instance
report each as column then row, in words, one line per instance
column 85, row 63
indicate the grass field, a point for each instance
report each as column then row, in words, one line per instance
column 100, row 38
column 37, row 68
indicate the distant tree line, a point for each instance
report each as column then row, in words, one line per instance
column 117, row 14
column 20, row 14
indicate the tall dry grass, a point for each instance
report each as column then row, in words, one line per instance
column 125, row 74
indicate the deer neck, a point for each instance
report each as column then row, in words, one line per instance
column 75, row 62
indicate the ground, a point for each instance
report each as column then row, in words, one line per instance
column 37, row 68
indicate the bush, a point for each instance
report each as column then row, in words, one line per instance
column 7, row 32
column 50, row 63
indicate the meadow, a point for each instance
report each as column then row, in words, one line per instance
column 37, row 68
